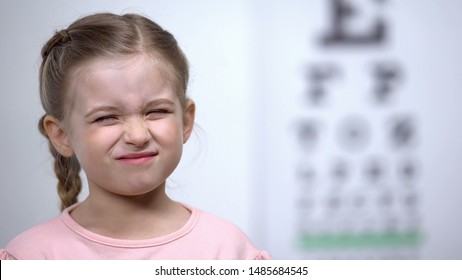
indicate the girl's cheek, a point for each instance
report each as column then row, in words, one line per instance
column 100, row 135
column 165, row 129
column 109, row 132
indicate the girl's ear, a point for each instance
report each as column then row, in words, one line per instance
column 188, row 119
column 57, row 136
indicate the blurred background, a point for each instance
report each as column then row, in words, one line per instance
column 326, row 129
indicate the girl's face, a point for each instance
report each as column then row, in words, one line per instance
column 126, row 124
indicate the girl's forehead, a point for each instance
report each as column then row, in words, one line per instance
column 140, row 62
column 120, row 78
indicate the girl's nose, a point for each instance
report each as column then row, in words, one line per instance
column 136, row 133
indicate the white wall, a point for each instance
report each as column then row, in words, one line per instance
column 248, row 78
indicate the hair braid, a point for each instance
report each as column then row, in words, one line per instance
column 69, row 183
column 67, row 170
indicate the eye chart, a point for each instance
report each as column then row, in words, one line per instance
column 342, row 130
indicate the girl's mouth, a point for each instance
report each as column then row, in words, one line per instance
column 137, row 158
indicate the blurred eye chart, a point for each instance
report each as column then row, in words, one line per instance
column 355, row 95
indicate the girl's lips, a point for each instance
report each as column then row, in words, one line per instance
column 137, row 158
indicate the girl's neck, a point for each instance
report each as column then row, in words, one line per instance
column 131, row 217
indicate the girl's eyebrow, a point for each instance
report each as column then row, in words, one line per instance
column 103, row 108
column 159, row 101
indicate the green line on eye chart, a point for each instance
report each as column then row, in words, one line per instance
column 409, row 239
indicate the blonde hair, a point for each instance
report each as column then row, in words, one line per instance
column 101, row 35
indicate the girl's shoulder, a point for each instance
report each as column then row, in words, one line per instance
column 215, row 232
column 222, row 227
column 32, row 243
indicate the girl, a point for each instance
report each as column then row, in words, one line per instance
column 114, row 93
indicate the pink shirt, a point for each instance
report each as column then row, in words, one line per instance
column 204, row 236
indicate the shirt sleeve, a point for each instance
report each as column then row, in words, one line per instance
column 4, row 255
column 263, row 255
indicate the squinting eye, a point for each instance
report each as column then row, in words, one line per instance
column 106, row 119
column 157, row 112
